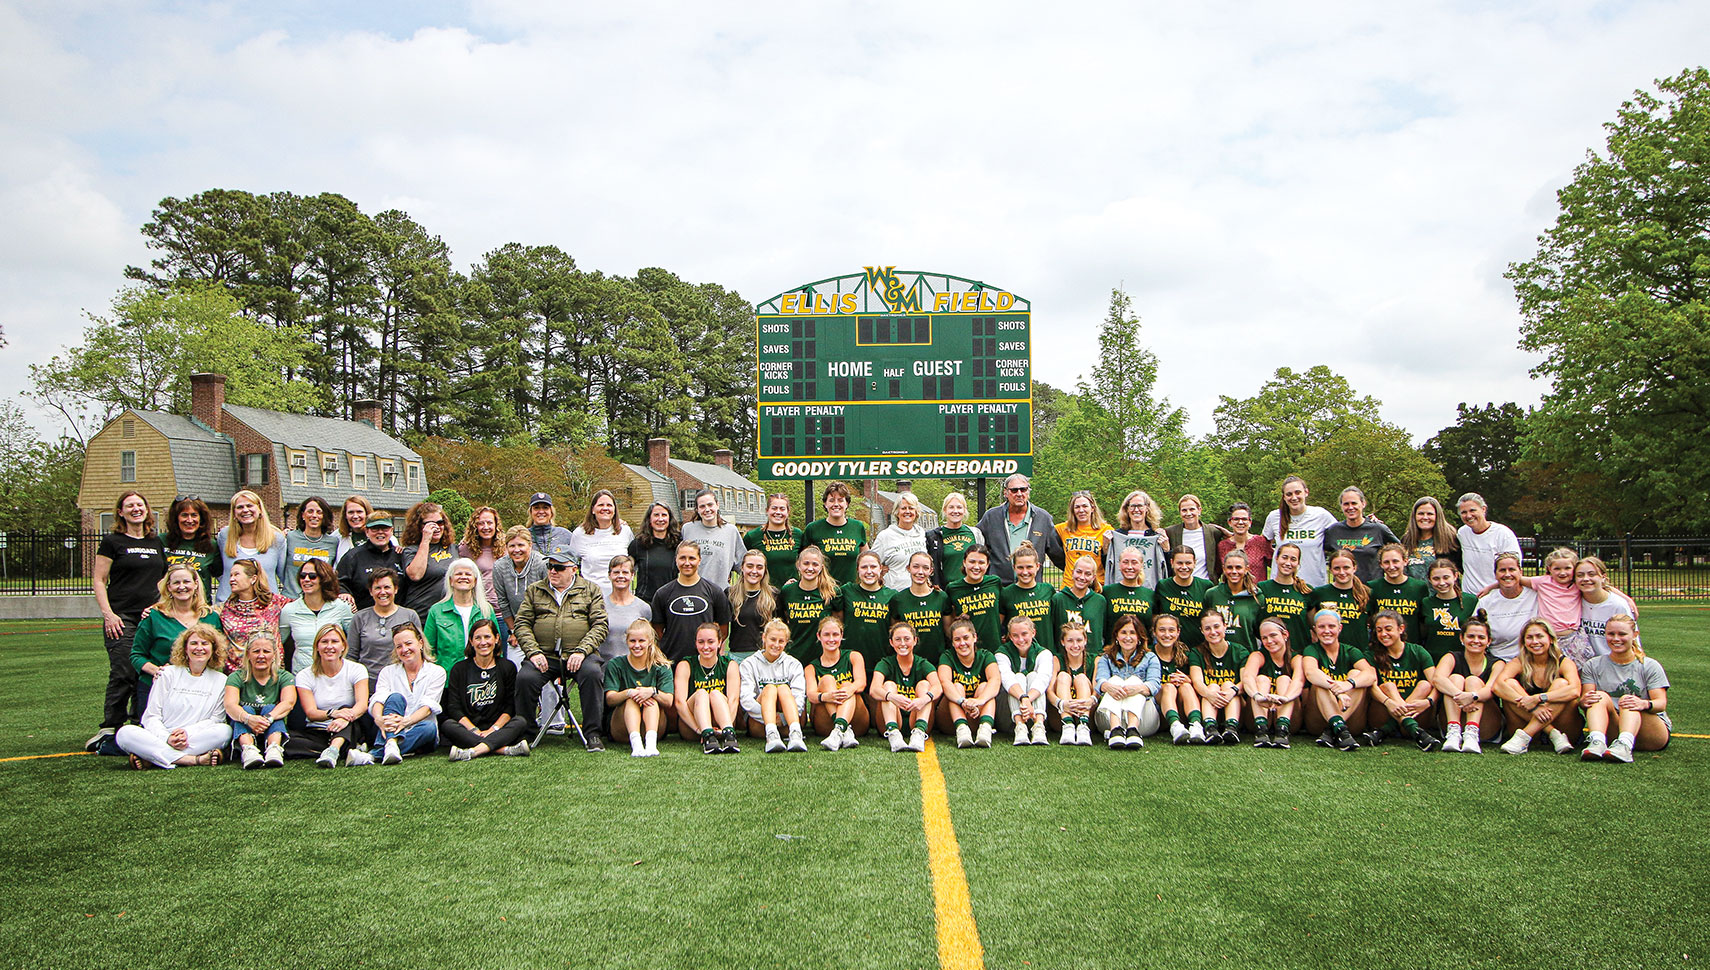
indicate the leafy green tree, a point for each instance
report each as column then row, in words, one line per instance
column 457, row 508
column 39, row 479
column 1381, row 461
column 1478, row 454
column 1615, row 299
column 142, row 356
column 1264, row 437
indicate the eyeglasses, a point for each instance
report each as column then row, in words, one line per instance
column 557, row 567
column 1018, row 488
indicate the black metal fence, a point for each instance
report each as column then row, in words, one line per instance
column 1660, row 567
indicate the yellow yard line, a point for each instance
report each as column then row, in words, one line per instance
column 33, row 757
column 958, row 939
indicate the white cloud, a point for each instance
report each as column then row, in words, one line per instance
column 1274, row 184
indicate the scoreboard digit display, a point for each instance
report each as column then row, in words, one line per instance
column 888, row 374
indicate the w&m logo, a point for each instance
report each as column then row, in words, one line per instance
column 884, row 280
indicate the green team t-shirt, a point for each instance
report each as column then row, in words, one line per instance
column 957, row 542
column 842, row 670
column 907, row 682
column 801, row 609
column 1420, row 559
column 265, row 696
column 980, row 604
column 1091, row 609
column 926, row 614
column 208, row 564
column 621, row 675
column 1242, row 612
column 1406, row 671
column 1441, row 620
column 1185, row 603
column 1272, row 669
column 1083, row 669
column 866, row 620
column 1121, row 600
column 1403, row 598
column 1356, row 632
column 840, row 543
column 1034, row 603
column 710, row 679
column 1215, row 670
column 1177, row 662
column 780, row 549
column 1288, row 605
column 1346, row 658
column 972, row 675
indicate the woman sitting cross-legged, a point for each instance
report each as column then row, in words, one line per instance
column 332, row 695
column 480, row 695
column 185, row 721
column 407, row 698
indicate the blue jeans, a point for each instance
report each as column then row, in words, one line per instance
column 275, row 731
column 418, row 738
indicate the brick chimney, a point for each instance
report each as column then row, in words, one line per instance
column 368, row 412
column 659, row 455
column 722, row 458
column 208, row 398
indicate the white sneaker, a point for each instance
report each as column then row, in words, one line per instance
column 1115, row 739
column 964, row 736
column 1595, row 750
column 328, row 758
column 358, row 759
column 1071, row 734
column 1022, row 735
column 1195, row 733
column 518, row 750
column 251, row 758
column 1039, row 733
column 1469, row 742
column 275, row 757
column 1620, row 751
column 897, row 742
column 795, row 743
column 1452, row 738
column 983, row 737
column 849, row 738
column 1136, row 741
column 460, row 754
column 917, row 740
column 833, row 741
column 1517, row 744
column 1560, row 742
column 1178, row 731
column 774, row 743
column 1083, row 737
column 392, row 755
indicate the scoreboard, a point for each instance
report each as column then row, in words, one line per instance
column 888, row 374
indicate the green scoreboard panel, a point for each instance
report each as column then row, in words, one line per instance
column 894, row 375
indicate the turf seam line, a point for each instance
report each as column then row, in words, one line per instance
column 953, row 911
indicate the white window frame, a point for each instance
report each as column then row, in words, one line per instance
column 388, row 474
column 359, row 472
column 127, row 466
column 299, row 467
column 414, row 476
column 329, row 470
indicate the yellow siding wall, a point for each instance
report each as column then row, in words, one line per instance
column 101, row 486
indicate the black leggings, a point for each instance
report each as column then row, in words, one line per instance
column 454, row 733
column 309, row 741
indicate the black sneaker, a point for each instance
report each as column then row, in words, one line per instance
column 1327, row 739
column 1345, row 740
column 1427, row 741
column 1213, row 737
column 1263, row 738
column 710, row 745
column 1372, row 738
column 1231, row 736
column 1279, row 738
column 594, row 742
column 728, row 745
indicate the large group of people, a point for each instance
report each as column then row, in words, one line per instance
column 350, row 639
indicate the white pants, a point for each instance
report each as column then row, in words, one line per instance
column 152, row 747
column 1112, row 712
column 1008, row 707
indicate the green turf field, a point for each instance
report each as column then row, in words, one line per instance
column 1073, row 857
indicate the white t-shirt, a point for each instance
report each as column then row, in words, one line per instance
column 425, row 692
column 595, row 551
column 337, row 690
column 1305, row 530
column 1478, row 554
column 1195, row 539
column 1507, row 618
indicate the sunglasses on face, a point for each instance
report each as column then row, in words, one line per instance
column 557, row 567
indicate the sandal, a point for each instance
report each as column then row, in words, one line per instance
column 138, row 763
column 211, row 759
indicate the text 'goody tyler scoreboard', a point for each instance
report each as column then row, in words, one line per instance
column 888, row 374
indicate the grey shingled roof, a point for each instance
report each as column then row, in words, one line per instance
column 202, row 461
column 714, row 474
column 928, row 516
column 325, row 434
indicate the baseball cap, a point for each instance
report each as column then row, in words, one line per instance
column 540, row 498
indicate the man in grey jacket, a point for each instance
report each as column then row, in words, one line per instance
column 1008, row 525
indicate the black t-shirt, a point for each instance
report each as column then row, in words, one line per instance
column 357, row 564
column 679, row 609
column 138, row 565
column 480, row 695
column 745, row 631
column 421, row 594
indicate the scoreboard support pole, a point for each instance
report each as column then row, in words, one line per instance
column 980, row 490
column 807, row 500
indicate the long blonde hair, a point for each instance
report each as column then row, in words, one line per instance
column 654, row 656
column 265, row 532
column 1553, row 660
column 765, row 597
column 1151, row 519
column 826, row 587
column 198, row 602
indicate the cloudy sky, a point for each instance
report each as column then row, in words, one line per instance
column 1274, row 184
